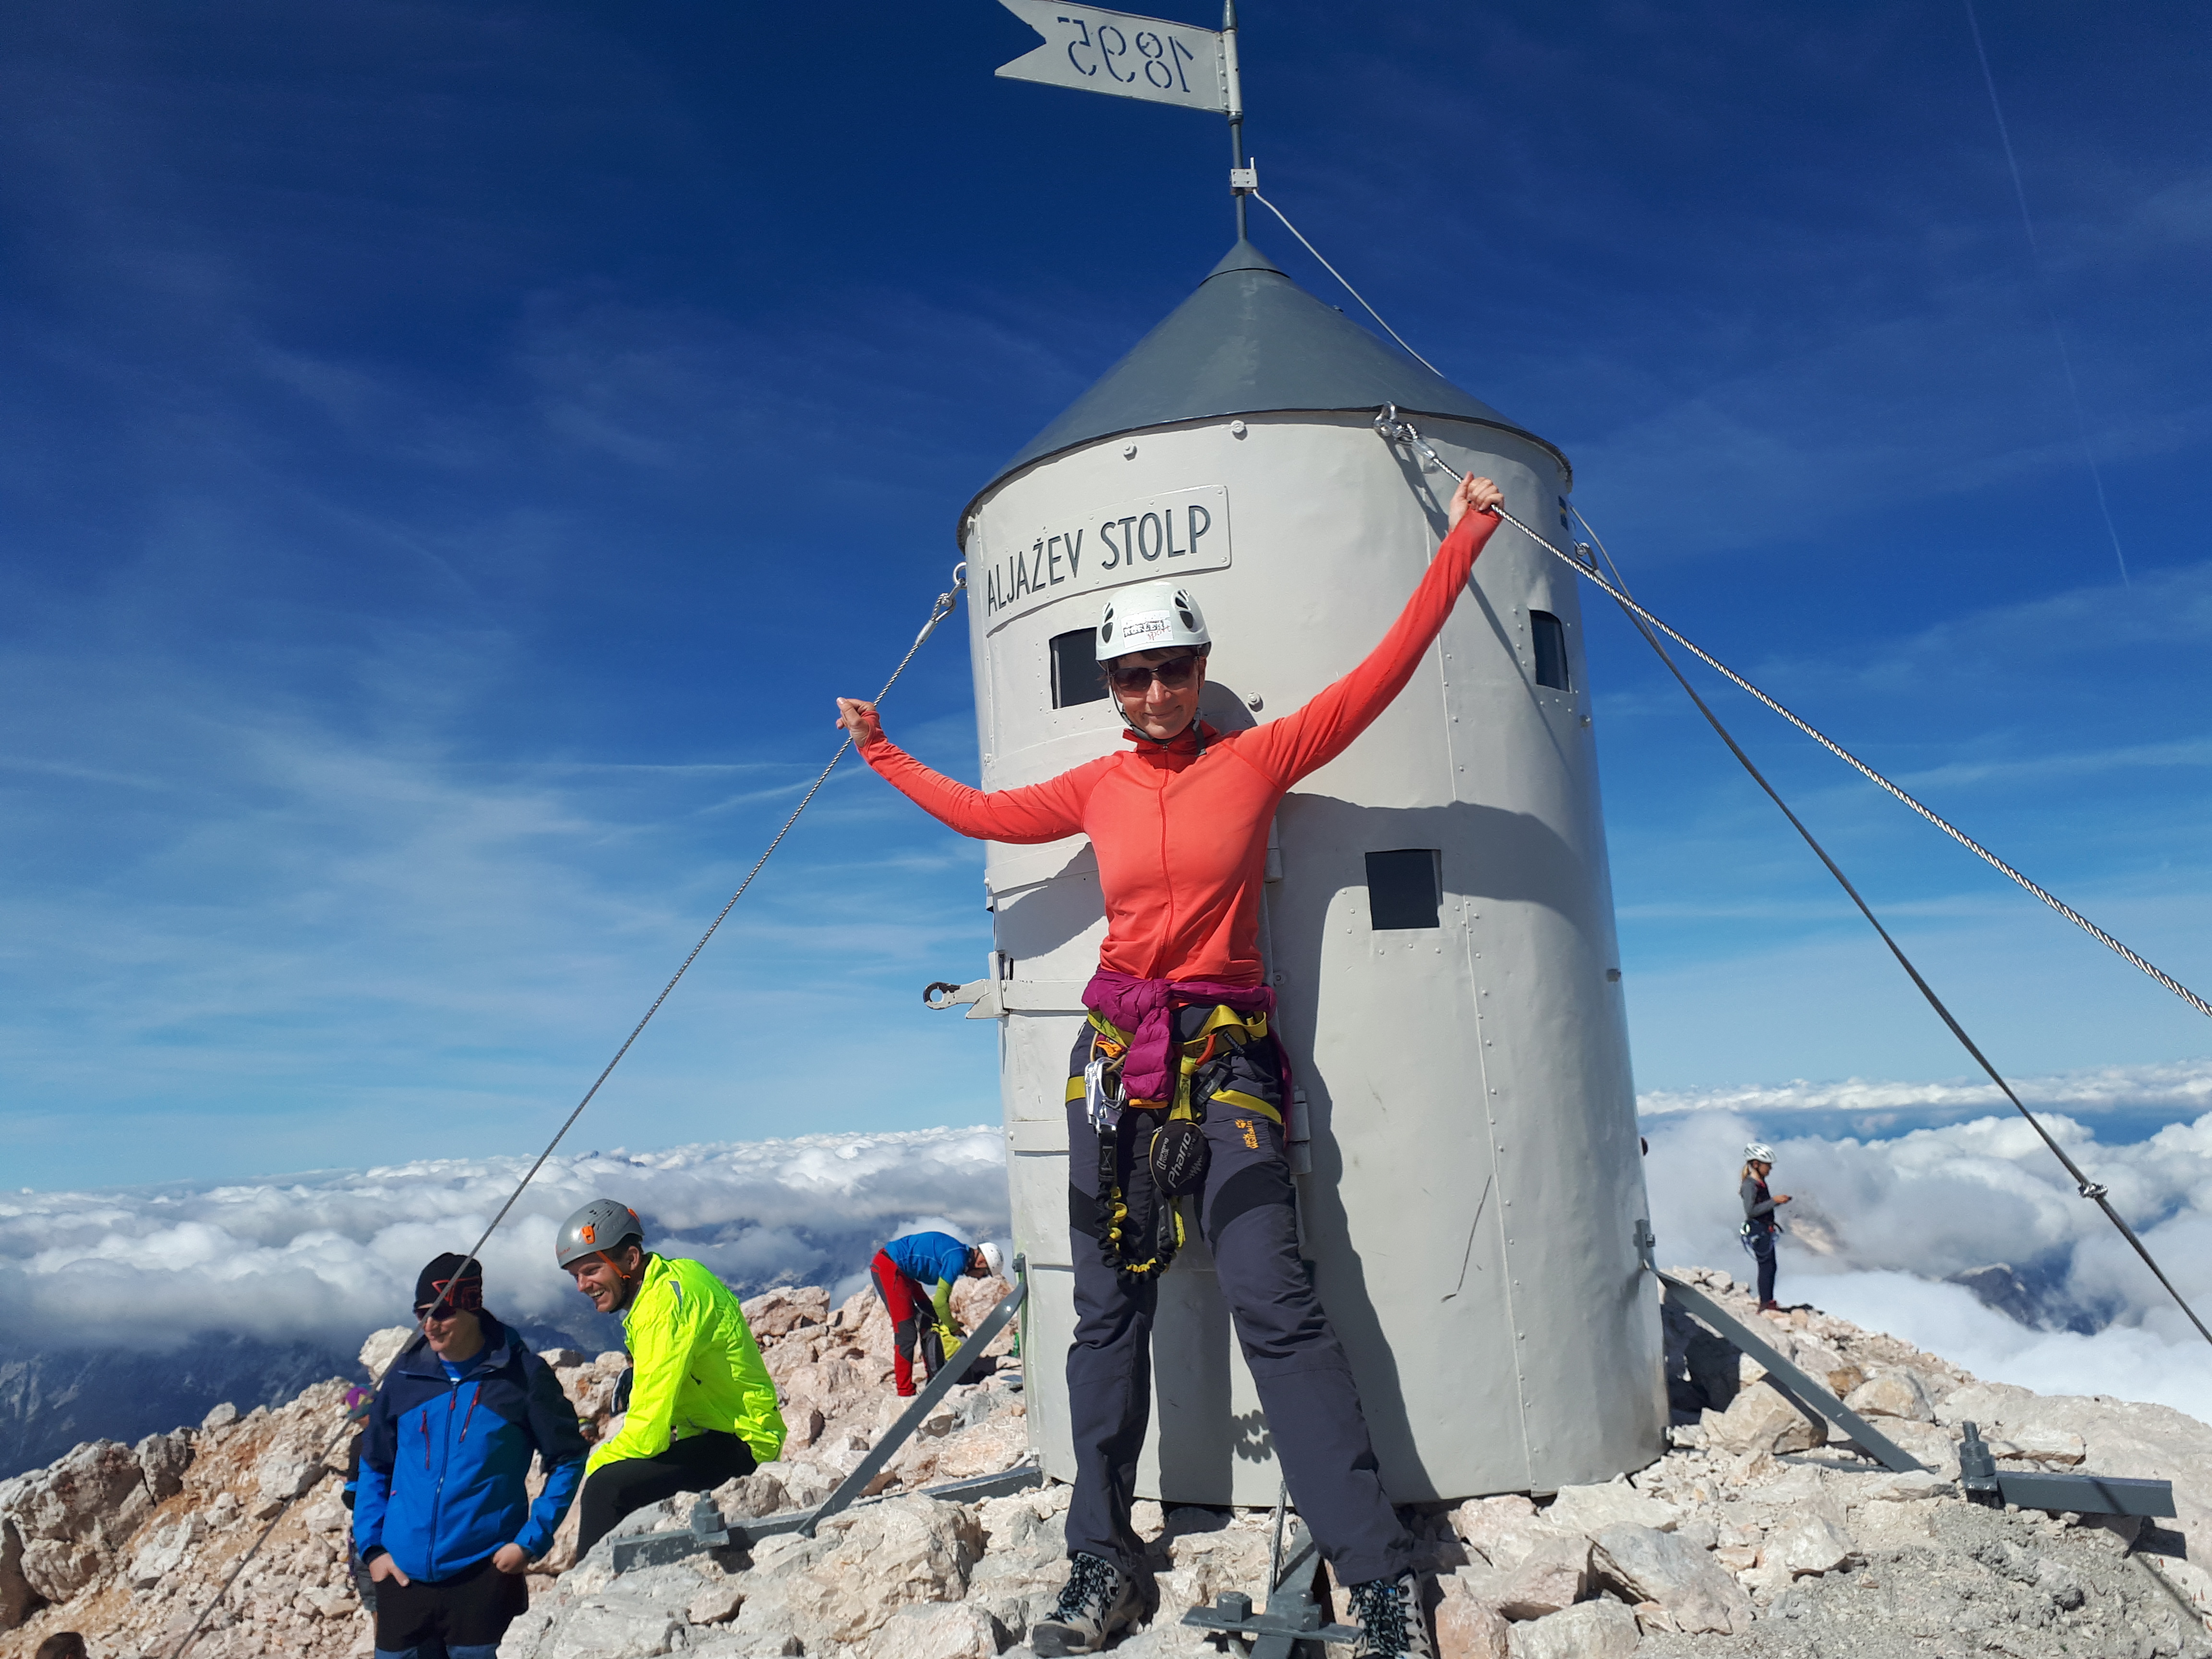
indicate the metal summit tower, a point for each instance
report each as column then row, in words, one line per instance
column 1438, row 914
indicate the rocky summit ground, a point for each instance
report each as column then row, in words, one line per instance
column 1759, row 1533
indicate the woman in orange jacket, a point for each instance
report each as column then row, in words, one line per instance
column 1179, row 1025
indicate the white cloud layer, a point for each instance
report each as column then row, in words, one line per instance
column 1878, row 1223
column 332, row 1256
column 2186, row 1085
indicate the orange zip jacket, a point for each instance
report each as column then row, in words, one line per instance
column 1182, row 837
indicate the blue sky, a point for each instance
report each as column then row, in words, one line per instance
column 450, row 456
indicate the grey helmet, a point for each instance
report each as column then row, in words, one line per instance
column 1759, row 1152
column 601, row 1224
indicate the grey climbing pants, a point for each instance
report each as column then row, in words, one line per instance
column 1305, row 1384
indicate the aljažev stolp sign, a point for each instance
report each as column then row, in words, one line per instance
column 1130, row 57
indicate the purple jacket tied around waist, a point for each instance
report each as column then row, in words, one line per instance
column 1146, row 1009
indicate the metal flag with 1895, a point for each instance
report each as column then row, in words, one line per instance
column 1127, row 57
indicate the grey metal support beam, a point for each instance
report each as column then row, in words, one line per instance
column 1292, row 1626
column 1808, row 1392
column 856, row 1483
column 707, row 1532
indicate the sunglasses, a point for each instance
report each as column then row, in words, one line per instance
column 465, row 1296
column 1174, row 674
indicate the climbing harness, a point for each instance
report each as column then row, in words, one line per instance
column 1176, row 1153
column 944, row 606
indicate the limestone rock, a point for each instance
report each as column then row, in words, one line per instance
column 1649, row 1565
column 219, row 1416
column 1812, row 1544
column 1552, row 1575
column 986, row 1449
column 2038, row 1445
column 1590, row 1510
column 1824, row 1365
column 779, row 1312
column 626, row 1620
column 716, row 1604
column 1470, row 1629
column 1937, row 1447
column 165, row 1552
column 1761, row 1419
column 1500, row 1530
column 384, row 1346
column 16, row 1595
column 72, row 1514
column 1700, row 1531
column 952, row 1630
column 750, row 1496
column 1899, row 1488
column 866, row 1563
column 283, row 1474
column 1595, row 1629
column 1205, row 1558
column 1892, row 1394
column 162, row 1461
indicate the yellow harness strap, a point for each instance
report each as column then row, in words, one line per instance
column 1223, row 1025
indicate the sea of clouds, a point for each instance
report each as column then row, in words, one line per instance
column 331, row 1256
column 1886, row 1214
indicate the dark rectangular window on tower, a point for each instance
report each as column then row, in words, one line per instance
column 1075, row 674
column 1547, row 639
column 1404, row 889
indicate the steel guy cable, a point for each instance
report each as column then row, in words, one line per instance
column 2094, row 1191
column 1399, row 430
column 1348, row 288
column 943, row 607
column 946, row 603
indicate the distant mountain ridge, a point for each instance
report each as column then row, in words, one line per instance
column 52, row 1400
column 59, row 1398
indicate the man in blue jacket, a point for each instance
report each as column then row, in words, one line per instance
column 442, row 1514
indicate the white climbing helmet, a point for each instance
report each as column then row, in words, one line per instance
column 994, row 1259
column 1758, row 1151
column 1150, row 616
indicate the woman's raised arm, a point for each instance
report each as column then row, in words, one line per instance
column 1036, row 812
column 1309, row 738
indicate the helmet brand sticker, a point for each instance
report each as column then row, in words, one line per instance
column 1143, row 626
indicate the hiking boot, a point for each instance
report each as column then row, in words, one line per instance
column 1389, row 1612
column 1098, row 1603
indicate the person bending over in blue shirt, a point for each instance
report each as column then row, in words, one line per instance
column 442, row 1514
column 913, row 1275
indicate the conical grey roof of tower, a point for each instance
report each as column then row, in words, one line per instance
column 1250, row 342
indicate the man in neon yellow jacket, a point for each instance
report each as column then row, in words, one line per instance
column 702, row 1406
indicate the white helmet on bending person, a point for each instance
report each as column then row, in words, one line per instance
column 1150, row 616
